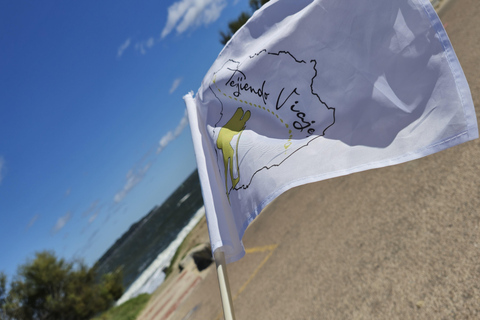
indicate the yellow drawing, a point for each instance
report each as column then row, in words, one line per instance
column 233, row 127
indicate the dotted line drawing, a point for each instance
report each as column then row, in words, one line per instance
column 289, row 142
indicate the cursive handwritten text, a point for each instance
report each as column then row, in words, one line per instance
column 236, row 81
column 299, row 125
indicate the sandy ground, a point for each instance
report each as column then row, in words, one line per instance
column 401, row 242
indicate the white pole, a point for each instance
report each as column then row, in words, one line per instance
column 224, row 285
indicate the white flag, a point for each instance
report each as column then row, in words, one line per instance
column 308, row 90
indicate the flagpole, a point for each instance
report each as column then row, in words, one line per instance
column 222, row 275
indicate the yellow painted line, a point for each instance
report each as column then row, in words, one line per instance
column 256, row 270
column 261, row 249
column 270, row 248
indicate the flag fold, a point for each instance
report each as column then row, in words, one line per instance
column 309, row 90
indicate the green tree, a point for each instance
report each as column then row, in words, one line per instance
column 256, row 4
column 234, row 25
column 52, row 288
column 3, row 295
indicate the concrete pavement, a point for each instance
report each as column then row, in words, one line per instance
column 401, row 242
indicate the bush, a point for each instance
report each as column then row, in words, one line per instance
column 126, row 311
column 52, row 288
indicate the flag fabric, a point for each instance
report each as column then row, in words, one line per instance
column 309, row 90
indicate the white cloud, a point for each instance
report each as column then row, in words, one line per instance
column 61, row 222
column 181, row 125
column 123, row 47
column 142, row 46
column 150, row 42
column 175, row 85
column 139, row 170
column 182, row 15
column 134, row 176
column 165, row 140
column 2, row 168
column 90, row 209
column 188, row 14
column 93, row 217
column 32, row 221
column 172, row 135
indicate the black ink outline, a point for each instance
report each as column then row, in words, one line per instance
column 246, row 186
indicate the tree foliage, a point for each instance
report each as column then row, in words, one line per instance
column 234, row 25
column 3, row 295
column 256, row 4
column 52, row 288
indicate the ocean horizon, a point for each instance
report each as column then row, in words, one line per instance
column 148, row 246
column 153, row 276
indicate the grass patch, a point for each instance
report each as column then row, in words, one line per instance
column 175, row 257
column 126, row 311
column 184, row 247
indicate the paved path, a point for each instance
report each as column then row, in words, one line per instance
column 163, row 304
column 401, row 242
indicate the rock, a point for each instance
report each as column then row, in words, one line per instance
column 201, row 255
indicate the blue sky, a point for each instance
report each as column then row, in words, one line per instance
column 93, row 130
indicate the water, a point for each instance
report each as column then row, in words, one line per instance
column 148, row 246
column 153, row 276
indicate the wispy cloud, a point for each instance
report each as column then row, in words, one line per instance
column 165, row 140
column 67, row 193
column 93, row 217
column 61, row 222
column 114, row 210
column 140, row 169
column 134, row 176
column 172, row 135
column 123, row 47
column 142, row 46
column 175, row 85
column 2, row 168
column 182, row 16
column 82, row 251
column 189, row 14
column 90, row 209
column 32, row 221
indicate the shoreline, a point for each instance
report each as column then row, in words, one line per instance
column 198, row 235
column 153, row 277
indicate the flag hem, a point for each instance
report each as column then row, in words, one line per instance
column 423, row 152
column 461, row 83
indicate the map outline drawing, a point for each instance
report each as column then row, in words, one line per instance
column 224, row 133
